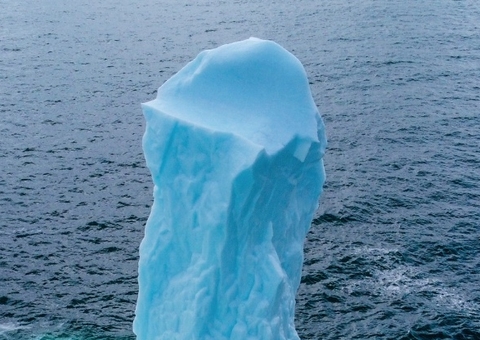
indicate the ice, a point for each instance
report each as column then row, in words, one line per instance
column 234, row 143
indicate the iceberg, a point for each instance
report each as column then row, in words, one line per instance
column 234, row 143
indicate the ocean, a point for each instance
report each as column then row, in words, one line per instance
column 394, row 249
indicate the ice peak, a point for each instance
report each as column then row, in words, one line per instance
column 252, row 88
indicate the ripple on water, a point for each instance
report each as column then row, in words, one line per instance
column 393, row 252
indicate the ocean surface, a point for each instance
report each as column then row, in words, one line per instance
column 394, row 249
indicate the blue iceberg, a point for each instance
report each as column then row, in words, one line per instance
column 234, row 143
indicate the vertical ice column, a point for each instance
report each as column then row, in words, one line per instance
column 234, row 143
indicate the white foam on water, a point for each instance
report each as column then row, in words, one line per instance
column 456, row 301
column 402, row 280
column 10, row 327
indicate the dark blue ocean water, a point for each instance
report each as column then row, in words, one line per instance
column 394, row 250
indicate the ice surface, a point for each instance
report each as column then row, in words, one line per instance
column 234, row 143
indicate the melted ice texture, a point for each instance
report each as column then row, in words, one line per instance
column 234, row 143
column 267, row 107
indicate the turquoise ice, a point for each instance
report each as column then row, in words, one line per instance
column 234, row 143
